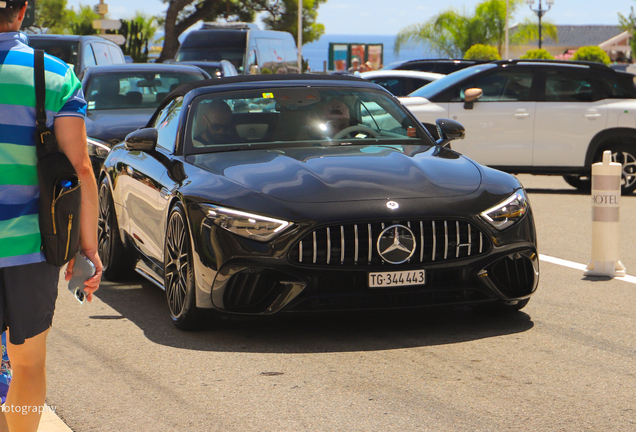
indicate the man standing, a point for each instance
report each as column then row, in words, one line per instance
column 28, row 285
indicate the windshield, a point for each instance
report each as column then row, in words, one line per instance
column 282, row 116
column 117, row 90
column 64, row 50
column 434, row 88
column 233, row 55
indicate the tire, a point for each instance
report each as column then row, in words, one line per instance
column 117, row 261
column 179, row 274
column 625, row 155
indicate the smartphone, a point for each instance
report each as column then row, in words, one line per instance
column 83, row 270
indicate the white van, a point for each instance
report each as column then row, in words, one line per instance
column 252, row 51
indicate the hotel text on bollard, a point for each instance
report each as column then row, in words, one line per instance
column 606, row 194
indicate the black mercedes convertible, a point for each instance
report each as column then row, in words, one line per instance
column 257, row 195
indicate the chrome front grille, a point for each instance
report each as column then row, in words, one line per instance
column 355, row 244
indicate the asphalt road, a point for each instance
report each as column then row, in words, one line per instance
column 564, row 363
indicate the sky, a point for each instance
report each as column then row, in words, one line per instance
column 382, row 17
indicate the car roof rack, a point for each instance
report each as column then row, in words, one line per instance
column 229, row 26
column 591, row 65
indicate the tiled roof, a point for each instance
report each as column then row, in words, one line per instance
column 580, row 35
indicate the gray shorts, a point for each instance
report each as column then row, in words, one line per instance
column 27, row 299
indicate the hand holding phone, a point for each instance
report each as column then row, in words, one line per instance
column 83, row 270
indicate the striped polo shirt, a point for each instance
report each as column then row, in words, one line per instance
column 20, row 241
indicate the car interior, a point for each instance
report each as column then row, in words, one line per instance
column 301, row 115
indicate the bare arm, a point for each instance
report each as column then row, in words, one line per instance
column 70, row 133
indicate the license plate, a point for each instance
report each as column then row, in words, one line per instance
column 397, row 278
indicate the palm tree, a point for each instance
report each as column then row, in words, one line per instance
column 138, row 31
column 528, row 31
column 451, row 33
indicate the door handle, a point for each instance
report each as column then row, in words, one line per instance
column 592, row 115
column 522, row 114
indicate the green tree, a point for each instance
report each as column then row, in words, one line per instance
column 482, row 52
column 449, row 34
column 528, row 31
column 81, row 22
column 628, row 23
column 138, row 31
column 493, row 14
column 537, row 54
column 452, row 33
column 287, row 19
column 53, row 15
column 592, row 54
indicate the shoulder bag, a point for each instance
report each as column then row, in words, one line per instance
column 60, row 193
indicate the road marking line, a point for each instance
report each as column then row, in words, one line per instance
column 577, row 266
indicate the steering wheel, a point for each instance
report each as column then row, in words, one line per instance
column 356, row 128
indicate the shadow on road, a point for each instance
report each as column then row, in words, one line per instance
column 556, row 191
column 144, row 305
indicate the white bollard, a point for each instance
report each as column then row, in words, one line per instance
column 606, row 194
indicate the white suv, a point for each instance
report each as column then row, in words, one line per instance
column 538, row 117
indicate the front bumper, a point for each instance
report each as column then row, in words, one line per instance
column 237, row 276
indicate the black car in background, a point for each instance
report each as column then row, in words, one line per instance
column 80, row 52
column 441, row 66
column 216, row 69
column 121, row 99
column 258, row 195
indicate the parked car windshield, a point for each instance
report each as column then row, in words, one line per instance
column 434, row 88
column 294, row 115
column 65, row 50
column 132, row 89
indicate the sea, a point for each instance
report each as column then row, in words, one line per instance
column 318, row 52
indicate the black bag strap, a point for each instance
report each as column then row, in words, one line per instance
column 45, row 140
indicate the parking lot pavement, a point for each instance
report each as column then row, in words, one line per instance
column 563, row 363
column 52, row 423
column 563, row 217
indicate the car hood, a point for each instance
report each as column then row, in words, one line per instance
column 410, row 101
column 352, row 173
column 112, row 126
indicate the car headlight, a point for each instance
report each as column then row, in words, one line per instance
column 97, row 148
column 249, row 225
column 508, row 212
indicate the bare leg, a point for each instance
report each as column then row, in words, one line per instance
column 28, row 385
column 3, row 423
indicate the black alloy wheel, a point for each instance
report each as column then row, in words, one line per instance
column 625, row 155
column 178, row 272
column 117, row 262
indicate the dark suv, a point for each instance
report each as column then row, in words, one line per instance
column 538, row 117
column 79, row 51
column 441, row 66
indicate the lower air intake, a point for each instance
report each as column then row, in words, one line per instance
column 513, row 275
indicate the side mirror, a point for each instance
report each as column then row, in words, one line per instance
column 470, row 96
column 142, row 139
column 449, row 130
column 255, row 70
